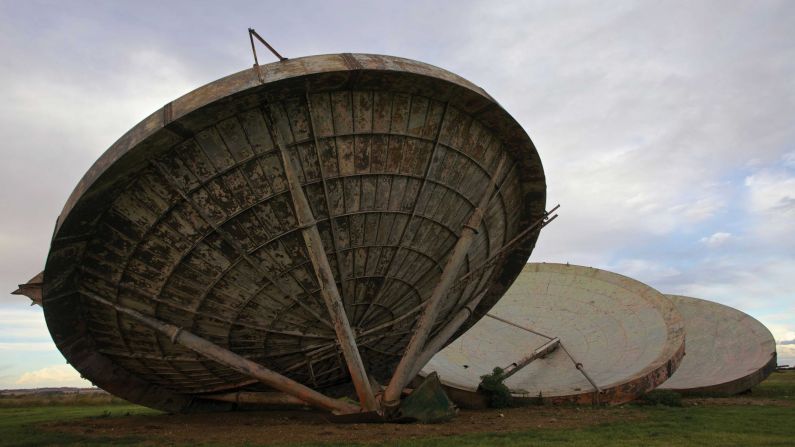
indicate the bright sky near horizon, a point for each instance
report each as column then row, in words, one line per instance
column 666, row 129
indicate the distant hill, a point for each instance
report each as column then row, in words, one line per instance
column 59, row 390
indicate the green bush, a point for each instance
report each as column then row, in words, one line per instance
column 662, row 397
column 491, row 385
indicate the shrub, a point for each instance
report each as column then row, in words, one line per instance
column 492, row 385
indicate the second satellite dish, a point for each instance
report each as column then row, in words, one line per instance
column 566, row 333
column 728, row 351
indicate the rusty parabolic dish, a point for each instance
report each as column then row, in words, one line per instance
column 628, row 337
column 728, row 351
column 187, row 218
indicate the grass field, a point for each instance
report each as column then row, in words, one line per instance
column 704, row 426
column 765, row 417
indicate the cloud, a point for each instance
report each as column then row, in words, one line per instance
column 789, row 159
column 643, row 130
column 716, row 239
column 787, row 342
column 786, row 355
column 702, row 209
column 644, row 270
column 769, row 199
column 733, row 280
column 772, row 191
column 28, row 346
column 52, row 376
column 24, row 323
column 60, row 124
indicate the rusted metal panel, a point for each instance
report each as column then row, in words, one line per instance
column 207, row 349
column 728, row 351
column 328, row 285
column 618, row 339
column 189, row 219
column 430, row 311
column 253, row 398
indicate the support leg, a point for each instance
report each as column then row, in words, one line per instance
column 541, row 351
column 325, row 278
column 408, row 363
column 435, row 344
column 232, row 360
column 256, row 398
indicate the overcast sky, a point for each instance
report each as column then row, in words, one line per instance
column 666, row 129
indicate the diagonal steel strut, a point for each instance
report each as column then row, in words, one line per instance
column 226, row 357
column 539, row 352
column 444, row 334
column 324, row 275
column 413, row 352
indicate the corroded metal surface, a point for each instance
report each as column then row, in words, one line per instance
column 728, row 351
column 189, row 219
column 430, row 313
column 627, row 336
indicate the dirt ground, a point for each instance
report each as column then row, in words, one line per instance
column 737, row 400
column 302, row 426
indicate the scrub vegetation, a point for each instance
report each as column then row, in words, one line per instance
column 492, row 384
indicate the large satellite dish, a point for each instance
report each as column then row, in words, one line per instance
column 728, row 351
column 299, row 226
column 567, row 333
